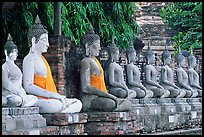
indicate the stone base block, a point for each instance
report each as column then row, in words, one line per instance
column 69, row 124
column 109, row 123
column 150, row 123
column 181, row 105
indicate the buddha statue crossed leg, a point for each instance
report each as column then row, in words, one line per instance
column 13, row 94
column 95, row 96
column 37, row 76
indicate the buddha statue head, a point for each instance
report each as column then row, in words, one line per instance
column 113, row 51
column 131, row 53
column 10, row 49
column 149, row 55
column 166, row 56
column 191, row 60
column 38, row 37
column 91, row 42
column 180, row 59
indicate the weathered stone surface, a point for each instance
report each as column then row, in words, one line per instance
column 167, row 107
column 181, row 105
column 61, row 119
column 8, row 123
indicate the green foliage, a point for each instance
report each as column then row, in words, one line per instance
column 108, row 19
column 186, row 17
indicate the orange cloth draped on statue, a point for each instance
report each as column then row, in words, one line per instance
column 45, row 83
column 98, row 81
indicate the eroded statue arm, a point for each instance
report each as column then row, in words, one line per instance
column 130, row 79
column 112, row 79
column 28, row 83
column 164, row 78
column 191, row 80
column 180, row 80
column 148, row 79
column 85, row 82
column 8, row 85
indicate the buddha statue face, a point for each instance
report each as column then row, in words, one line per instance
column 93, row 49
column 13, row 55
column 192, row 61
column 132, row 56
column 168, row 60
column 166, row 57
column 182, row 62
column 152, row 59
column 115, row 55
column 10, row 49
column 42, row 44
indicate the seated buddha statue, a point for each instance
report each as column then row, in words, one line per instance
column 167, row 77
column 133, row 75
column 193, row 76
column 151, row 76
column 37, row 75
column 95, row 96
column 115, row 76
column 13, row 94
column 182, row 76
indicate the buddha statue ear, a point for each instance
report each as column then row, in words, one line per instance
column 5, row 51
column 87, row 49
column 33, row 44
column 129, row 58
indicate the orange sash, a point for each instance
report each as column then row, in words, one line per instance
column 45, row 83
column 98, row 81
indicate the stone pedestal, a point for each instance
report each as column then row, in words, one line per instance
column 137, row 107
column 151, row 112
column 150, row 106
column 195, row 116
column 181, row 105
column 21, row 118
column 167, row 115
column 69, row 124
column 113, row 123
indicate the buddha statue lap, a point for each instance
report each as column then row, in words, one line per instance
column 133, row 75
column 182, row 76
column 167, row 77
column 115, row 76
column 95, row 96
column 193, row 76
column 37, row 75
column 151, row 76
column 13, row 94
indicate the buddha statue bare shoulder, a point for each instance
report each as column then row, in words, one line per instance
column 133, row 75
column 13, row 94
column 182, row 76
column 167, row 76
column 115, row 76
column 151, row 75
column 193, row 75
column 95, row 96
column 37, row 75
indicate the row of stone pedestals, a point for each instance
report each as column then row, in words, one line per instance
column 148, row 116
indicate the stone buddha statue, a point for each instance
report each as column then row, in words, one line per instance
column 133, row 75
column 115, row 76
column 95, row 96
column 167, row 77
column 182, row 76
column 151, row 76
column 37, row 75
column 13, row 94
column 193, row 76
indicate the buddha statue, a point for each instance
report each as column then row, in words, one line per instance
column 37, row 75
column 115, row 76
column 133, row 75
column 182, row 76
column 95, row 96
column 193, row 76
column 167, row 77
column 151, row 76
column 13, row 94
